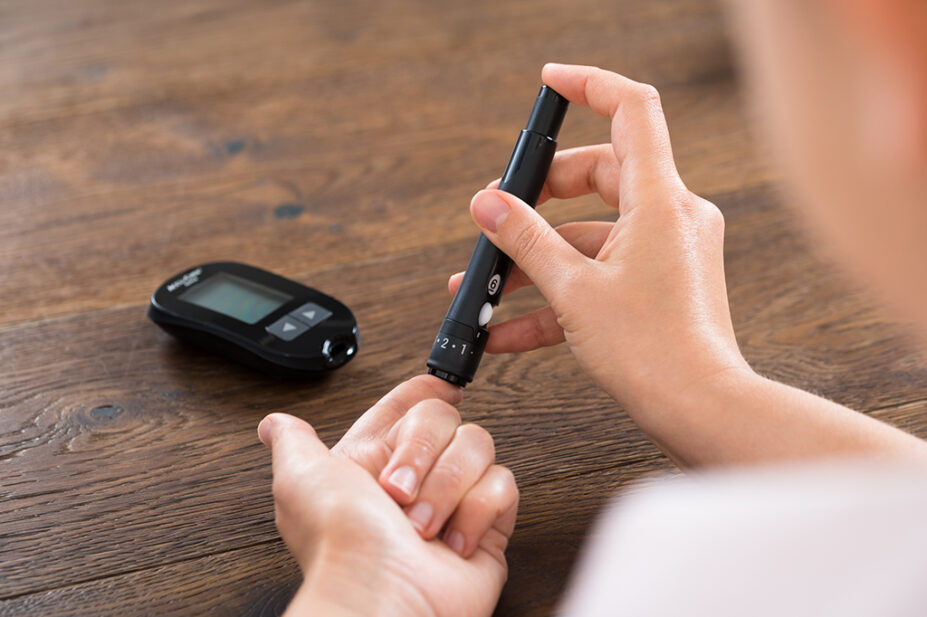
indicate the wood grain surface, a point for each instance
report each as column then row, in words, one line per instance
column 338, row 144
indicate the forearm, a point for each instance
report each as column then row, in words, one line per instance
column 738, row 417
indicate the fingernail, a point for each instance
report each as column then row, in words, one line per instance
column 404, row 479
column 455, row 540
column 489, row 210
column 421, row 514
column 264, row 430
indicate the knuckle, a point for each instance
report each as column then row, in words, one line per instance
column 539, row 333
column 527, row 241
column 573, row 283
column 420, row 447
column 436, row 406
column 428, row 413
column 484, row 501
column 366, row 450
column 499, row 494
column 712, row 216
column 503, row 485
column 686, row 203
column 370, row 453
column 479, row 437
column 678, row 205
column 451, row 474
column 647, row 95
column 507, row 479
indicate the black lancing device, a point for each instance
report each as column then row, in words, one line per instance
column 462, row 338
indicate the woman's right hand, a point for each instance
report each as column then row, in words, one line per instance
column 641, row 302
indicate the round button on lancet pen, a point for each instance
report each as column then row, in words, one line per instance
column 459, row 346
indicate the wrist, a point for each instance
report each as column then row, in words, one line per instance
column 308, row 601
column 691, row 423
column 338, row 586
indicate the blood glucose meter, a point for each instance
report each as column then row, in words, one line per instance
column 258, row 318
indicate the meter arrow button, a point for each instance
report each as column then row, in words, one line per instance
column 287, row 328
column 310, row 314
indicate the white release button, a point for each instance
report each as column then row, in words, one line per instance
column 485, row 314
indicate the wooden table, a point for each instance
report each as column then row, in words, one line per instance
column 338, row 144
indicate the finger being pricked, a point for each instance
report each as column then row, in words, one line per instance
column 417, row 441
column 366, row 442
column 464, row 461
column 585, row 236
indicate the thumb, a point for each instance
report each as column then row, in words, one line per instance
column 521, row 233
column 292, row 441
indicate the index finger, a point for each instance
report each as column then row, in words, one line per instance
column 365, row 441
column 639, row 134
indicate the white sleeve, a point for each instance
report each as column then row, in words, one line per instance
column 838, row 538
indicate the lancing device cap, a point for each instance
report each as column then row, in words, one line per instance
column 547, row 115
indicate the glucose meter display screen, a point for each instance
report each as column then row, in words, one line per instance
column 236, row 297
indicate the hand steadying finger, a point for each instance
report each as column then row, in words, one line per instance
column 358, row 550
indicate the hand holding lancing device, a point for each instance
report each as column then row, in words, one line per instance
column 641, row 302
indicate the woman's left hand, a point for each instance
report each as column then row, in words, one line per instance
column 406, row 515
